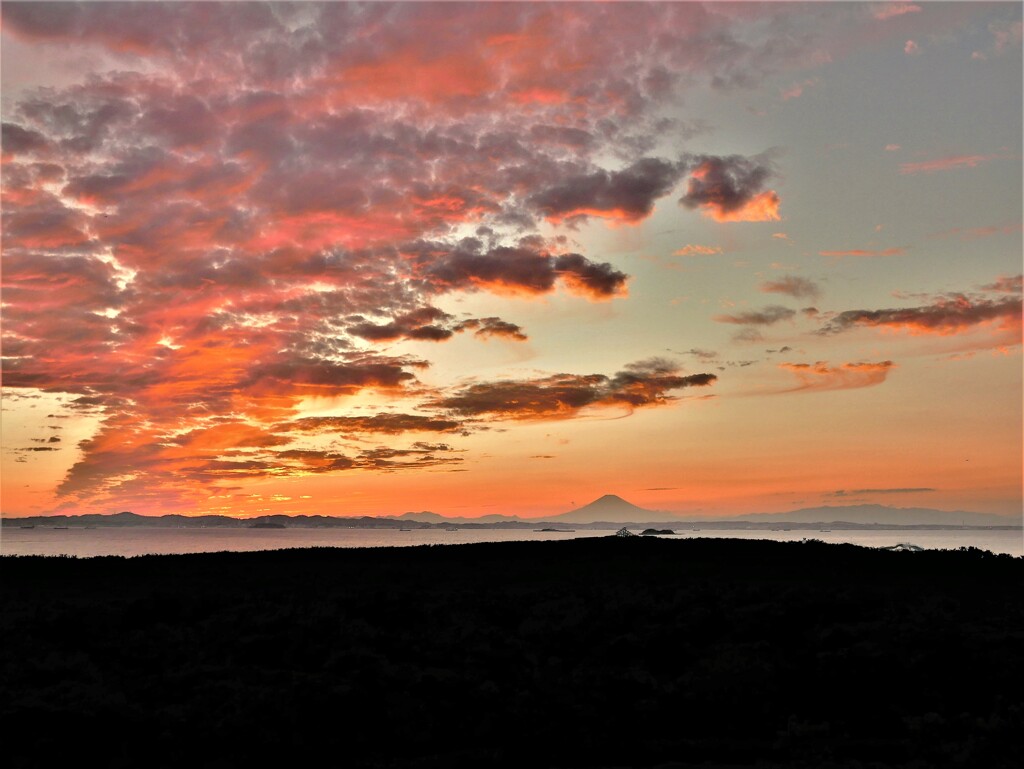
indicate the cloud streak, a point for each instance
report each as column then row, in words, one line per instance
column 767, row 316
column 640, row 385
column 697, row 250
column 952, row 163
column 865, row 252
column 859, row 492
column 792, row 285
column 819, row 376
column 627, row 195
column 946, row 316
column 884, row 11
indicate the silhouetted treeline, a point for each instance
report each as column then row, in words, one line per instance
column 585, row 653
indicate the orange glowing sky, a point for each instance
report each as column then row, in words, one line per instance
column 504, row 258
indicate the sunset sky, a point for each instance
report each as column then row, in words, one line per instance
column 505, row 258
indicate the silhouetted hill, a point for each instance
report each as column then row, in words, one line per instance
column 602, row 652
column 882, row 514
column 613, row 509
column 424, row 517
column 427, row 517
column 610, row 511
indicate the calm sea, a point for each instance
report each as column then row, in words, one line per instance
column 132, row 541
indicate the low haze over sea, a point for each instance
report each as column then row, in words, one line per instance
column 83, row 542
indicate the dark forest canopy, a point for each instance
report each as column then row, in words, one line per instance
column 639, row 652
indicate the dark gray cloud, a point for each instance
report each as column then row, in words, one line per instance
column 384, row 423
column 946, row 315
column 702, row 355
column 726, row 184
column 628, row 195
column 488, row 328
column 792, row 285
column 563, row 136
column 767, row 316
column 642, row 384
column 526, row 268
column 17, row 140
column 858, row 492
column 424, row 323
column 433, row 325
column 419, row 455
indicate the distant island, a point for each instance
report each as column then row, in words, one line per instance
column 608, row 512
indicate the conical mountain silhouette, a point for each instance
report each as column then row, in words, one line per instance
column 613, row 509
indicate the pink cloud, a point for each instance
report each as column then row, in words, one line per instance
column 892, row 10
column 763, row 207
column 697, row 250
column 814, row 377
column 973, row 233
column 910, row 48
column 1007, row 284
column 1006, row 34
column 197, row 241
column 195, row 245
column 947, row 164
column 796, row 90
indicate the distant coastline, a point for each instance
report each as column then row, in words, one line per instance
column 606, row 512
column 128, row 520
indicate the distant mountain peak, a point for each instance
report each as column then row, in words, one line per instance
column 613, row 509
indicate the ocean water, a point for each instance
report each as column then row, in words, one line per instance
column 145, row 541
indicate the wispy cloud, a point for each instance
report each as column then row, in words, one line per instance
column 696, row 250
column 973, row 233
column 945, row 316
column 384, row 423
column 767, row 316
column 1012, row 284
column 792, row 285
column 848, row 376
column 883, row 11
column 702, row 355
column 860, row 492
column 796, row 90
column 951, row 163
column 641, row 385
column 868, row 252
